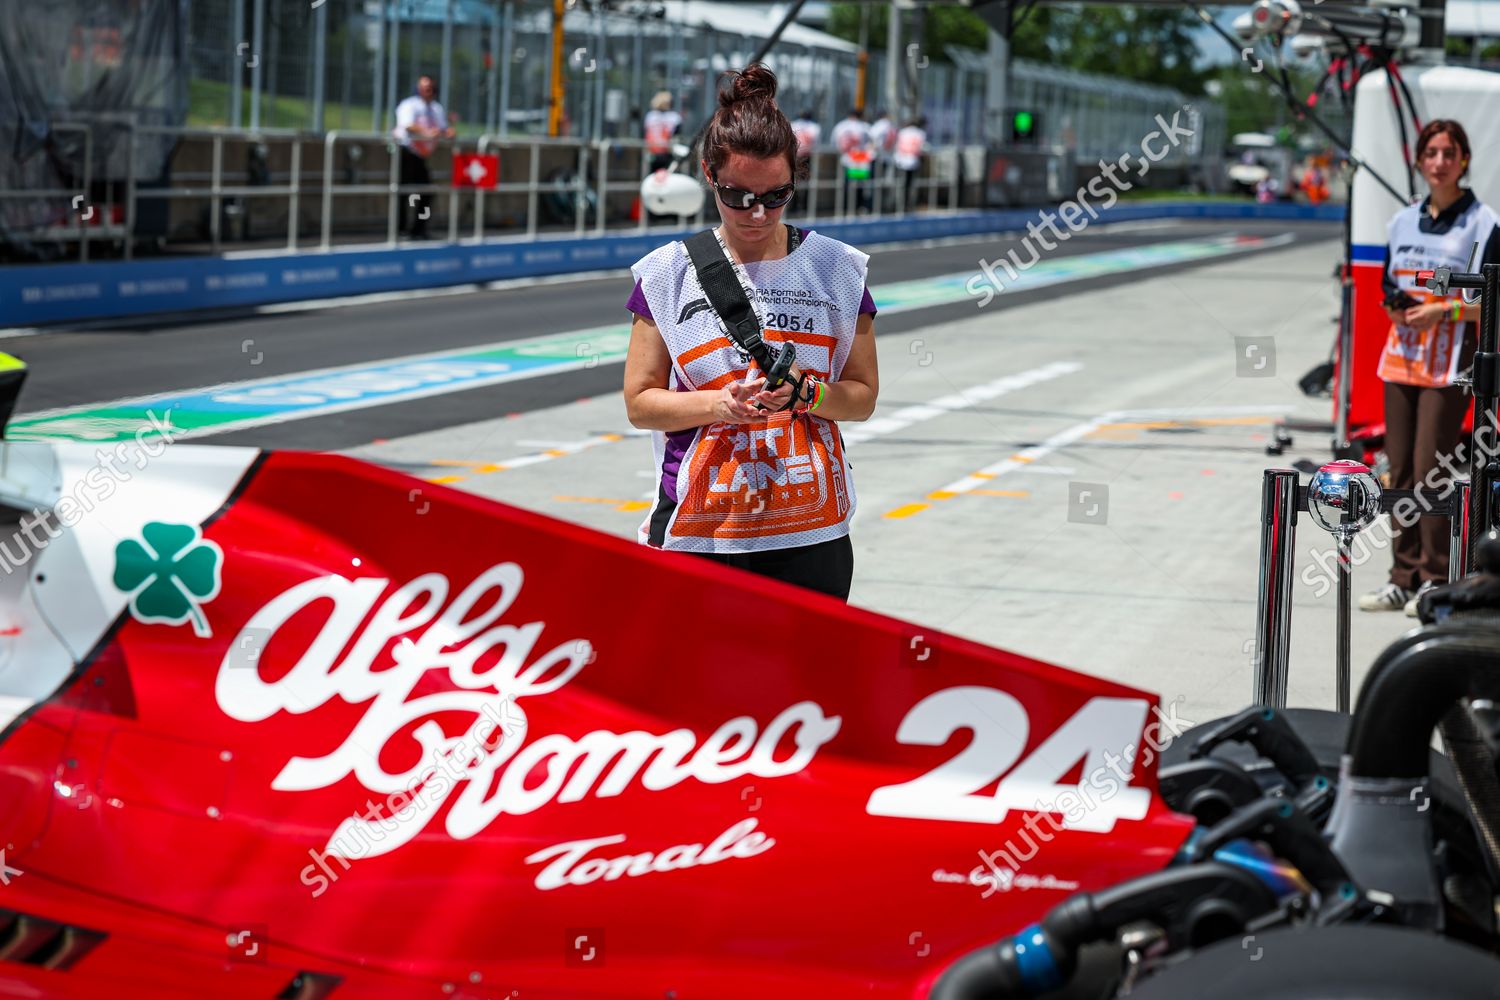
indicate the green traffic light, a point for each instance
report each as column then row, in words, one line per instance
column 1024, row 121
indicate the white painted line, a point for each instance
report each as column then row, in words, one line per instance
column 908, row 415
column 371, row 298
column 1051, row 470
column 1026, row 458
column 987, row 475
column 557, row 449
column 1190, row 413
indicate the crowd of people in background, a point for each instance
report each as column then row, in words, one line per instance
column 867, row 152
column 871, row 151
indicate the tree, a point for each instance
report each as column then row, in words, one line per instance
column 1145, row 44
column 944, row 26
column 1252, row 103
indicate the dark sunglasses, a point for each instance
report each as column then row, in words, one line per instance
column 741, row 200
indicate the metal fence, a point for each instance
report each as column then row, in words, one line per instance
column 312, row 191
column 346, row 64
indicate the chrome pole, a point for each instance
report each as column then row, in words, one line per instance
column 1342, row 623
column 1278, row 531
column 1458, row 526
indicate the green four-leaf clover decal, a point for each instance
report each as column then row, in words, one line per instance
column 170, row 576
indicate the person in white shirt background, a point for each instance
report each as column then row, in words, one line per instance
column 661, row 125
column 420, row 122
column 882, row 144
column 911, row 143
column 808, row 132
column 852, row 137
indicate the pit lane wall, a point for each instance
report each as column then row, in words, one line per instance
column 63, row 293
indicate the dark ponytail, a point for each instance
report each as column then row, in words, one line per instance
column 748, row 121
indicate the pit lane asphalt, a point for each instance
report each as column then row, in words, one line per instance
column 991, row 424
column 74, row 366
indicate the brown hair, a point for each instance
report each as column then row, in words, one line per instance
column 1450, row 128
column 749, row 122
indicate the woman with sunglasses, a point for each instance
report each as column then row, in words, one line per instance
column 1430, row 341
column 753, row 478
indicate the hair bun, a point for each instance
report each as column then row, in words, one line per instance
column 754, row 83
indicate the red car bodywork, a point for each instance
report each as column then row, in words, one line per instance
column 155, row 805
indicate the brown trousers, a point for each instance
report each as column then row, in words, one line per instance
column 1421, row 424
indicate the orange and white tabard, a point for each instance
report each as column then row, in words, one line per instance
column 1430, row 357
column 660, row 127
column 775, row 484
column 1427, row 357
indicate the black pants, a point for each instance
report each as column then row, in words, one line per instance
column 907, row 179
column 856, row 194
column 827, row 567
column 414, row 171
column 1420, row 424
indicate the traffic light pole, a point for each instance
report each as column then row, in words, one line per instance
column 1000, row 16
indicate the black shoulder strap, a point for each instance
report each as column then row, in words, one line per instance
column 724, row 291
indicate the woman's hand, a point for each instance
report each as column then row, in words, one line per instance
column 1427, row 315
column 775, row 400
column 735, row 402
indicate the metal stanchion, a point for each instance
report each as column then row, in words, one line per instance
column 1458, row 527
column 1342, row 625
column 1343, row 498
column 1278, row 531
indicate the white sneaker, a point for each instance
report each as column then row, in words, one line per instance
column 1387, row 598
column 1411, row 605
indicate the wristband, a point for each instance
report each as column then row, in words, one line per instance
column 819, row 389
column 1458, row 310
column 806, row 399
column 791, row 403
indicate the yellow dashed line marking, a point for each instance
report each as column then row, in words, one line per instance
column 1151, row 425
column 907, row 510
column 1101, row 427
column 624, row 505
column 475, row 468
